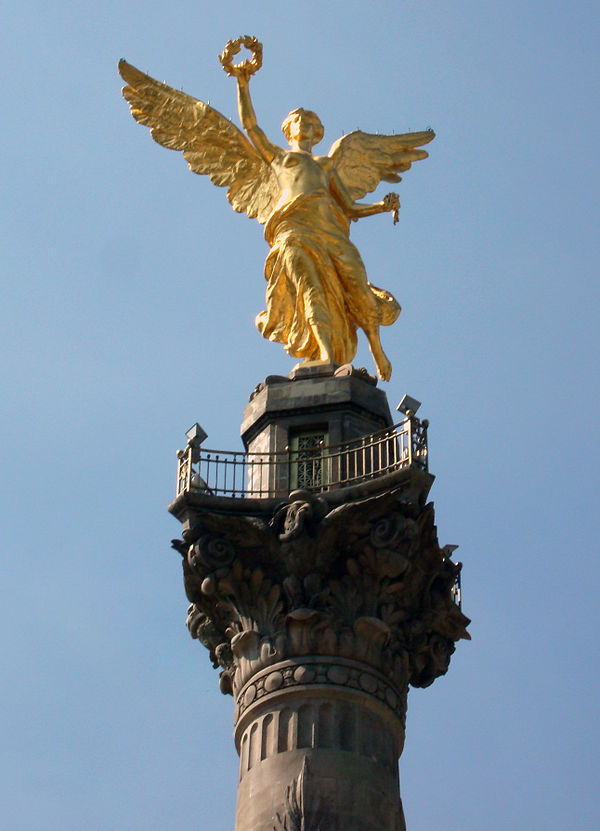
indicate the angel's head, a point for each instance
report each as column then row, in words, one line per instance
column 301, row 125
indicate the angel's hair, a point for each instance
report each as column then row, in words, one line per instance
column 310, row 115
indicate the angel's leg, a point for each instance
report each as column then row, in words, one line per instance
column 304, row 275
column 322, row 338
column 384, row 367
column 362, row 303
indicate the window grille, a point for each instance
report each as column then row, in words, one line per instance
column 307, row 470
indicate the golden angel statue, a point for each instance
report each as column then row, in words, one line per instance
column 318, row 293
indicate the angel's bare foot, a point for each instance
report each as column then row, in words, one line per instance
column 384, row 367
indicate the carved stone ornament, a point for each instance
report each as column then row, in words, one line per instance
column 364, row 582
column 301, row 806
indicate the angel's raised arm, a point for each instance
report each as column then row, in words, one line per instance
column 267, row 149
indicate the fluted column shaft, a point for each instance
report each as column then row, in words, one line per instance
column 327, row 732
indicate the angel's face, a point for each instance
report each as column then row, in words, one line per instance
column 303, row 127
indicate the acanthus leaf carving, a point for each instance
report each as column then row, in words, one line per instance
column 302, row 805
column 366, row 580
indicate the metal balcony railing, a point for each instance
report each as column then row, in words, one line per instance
column 262, row 475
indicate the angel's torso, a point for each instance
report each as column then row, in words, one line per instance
column 300, row 173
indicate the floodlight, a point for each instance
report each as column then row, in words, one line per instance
column 196, row 435
column 408, row 405
column 448, row 550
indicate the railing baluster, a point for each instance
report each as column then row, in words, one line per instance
column 363, row 468
column 188, row 472
column 180, row 457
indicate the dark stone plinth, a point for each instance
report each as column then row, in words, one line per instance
column 342, row 401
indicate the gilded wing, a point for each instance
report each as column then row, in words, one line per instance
column 363, row 160
column 210, row 143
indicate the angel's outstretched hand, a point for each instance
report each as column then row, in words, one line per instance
column 391, row 202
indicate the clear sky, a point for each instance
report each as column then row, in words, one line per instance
column 129, row 293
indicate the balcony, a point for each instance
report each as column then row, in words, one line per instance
column 317, row 468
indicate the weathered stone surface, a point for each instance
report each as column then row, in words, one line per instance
column 320, row 616
column 366, row 580
column 320, row 610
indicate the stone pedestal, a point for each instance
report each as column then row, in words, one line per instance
column 342, row 401
column 320, row 609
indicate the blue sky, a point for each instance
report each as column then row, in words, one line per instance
column 129, row 293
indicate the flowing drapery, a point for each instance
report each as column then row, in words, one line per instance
column 316, row 278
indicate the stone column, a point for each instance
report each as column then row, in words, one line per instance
column 320, row 609
column 320, row 615
column 319, row 740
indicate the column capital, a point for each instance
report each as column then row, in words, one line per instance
column 366, row 581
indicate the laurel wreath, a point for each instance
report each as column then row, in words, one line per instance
column 247, row 67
